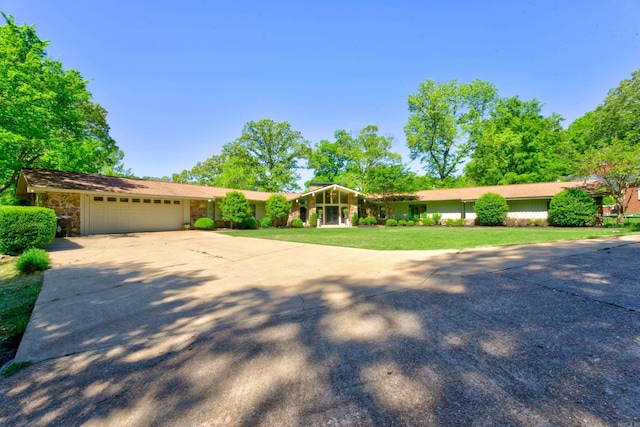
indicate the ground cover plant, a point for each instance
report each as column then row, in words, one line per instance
column 18, row 294
column 429, row 238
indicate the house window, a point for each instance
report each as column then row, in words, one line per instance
column 111, row 199
column 167, row 202
column 135, row 200
column 319, row 198
column 343, row 198
column 176, row 202
column 157, row 202
column 417, row 210
column 252, row 206
column 124, row 200
column 98, row 199
column 147, row 201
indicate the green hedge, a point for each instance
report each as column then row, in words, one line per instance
column 24, row 227
column 204, row 224
column 491, row 209
column 296, row 223
column 248, row 224
column 391, row 222
column 572, row 208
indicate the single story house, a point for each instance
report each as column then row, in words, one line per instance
column 97, row 204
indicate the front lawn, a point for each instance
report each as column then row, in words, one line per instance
column 427, row 238
column 18, row 294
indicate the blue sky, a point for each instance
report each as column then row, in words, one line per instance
column 180, row 79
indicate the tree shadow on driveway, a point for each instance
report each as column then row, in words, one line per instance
column 513, row 347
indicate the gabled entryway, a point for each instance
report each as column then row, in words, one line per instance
column 331, row 202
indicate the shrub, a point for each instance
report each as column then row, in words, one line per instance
column 428, row 221
column 234, row 207
column 354, row 219
column 248, row 224
column 33, row 260
column 572, row 208
column 296, row 223
column 24, row 227
column 411, row 223
column 436, row 218
column 391, row 222
column 313, row 220
column 204, row 224
column 277, row 208
column 491, row 209
column 402, row 223
column 265, row 222
column 371, row 220
column 455, row 222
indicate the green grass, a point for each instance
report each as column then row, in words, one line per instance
column 18, row 294
column 428, row 238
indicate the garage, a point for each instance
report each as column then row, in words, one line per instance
column 123, row 214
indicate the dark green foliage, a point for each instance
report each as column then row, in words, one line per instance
column 277, row 208
column 33, row 260
column 491, row 209
column 455, row 222
column 234, row 207
column 354, row 219
column 204, row 224
column 391, row 222
column 25, row 227
column 313, row 220
column 249, row 223
column 296, row 223
column 402, row 222
column 265, row 222
column 572, row 208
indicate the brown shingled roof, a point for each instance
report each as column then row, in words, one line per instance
column 42, row 179
column 515, row 191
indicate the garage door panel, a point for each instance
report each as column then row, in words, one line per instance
column 125, row 215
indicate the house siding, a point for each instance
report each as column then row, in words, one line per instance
column 528, row 209
column 449, row 209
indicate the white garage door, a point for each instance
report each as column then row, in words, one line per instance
column 109, row 214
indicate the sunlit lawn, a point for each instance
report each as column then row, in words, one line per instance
column 427, row 238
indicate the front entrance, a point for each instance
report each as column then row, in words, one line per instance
column 332, row 215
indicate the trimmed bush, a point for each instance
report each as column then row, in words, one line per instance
column 234, row 207
column 296, row 223
column 455, row 222
column 572, row 208
column 248, row 224
column 277, row 208
column 428, row 221
column 371, row 220
column 313, row 220
column 204, row 224
column 24, row 227
column 436, row 218
column 491, row 209
column 33, row 260
column 265, row 222
column 354, row 219
column 411, row 223
column 402, row 223
column 391, row 222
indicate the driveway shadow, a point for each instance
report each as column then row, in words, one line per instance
column 527, row 345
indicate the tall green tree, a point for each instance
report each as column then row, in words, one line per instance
column 613, row 140
column 517, row 144
column 443, row 122
column 389, row 180
column 349, row 159
column 273, row 151
column 47, row 118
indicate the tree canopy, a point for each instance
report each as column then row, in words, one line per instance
column 516, row 144
column 47, row 118
column 443, row 122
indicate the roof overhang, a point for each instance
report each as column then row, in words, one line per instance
column 333, row 187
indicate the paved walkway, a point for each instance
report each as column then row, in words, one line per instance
column 190, row 328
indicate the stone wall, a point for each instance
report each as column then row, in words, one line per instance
column 197, row 209
column 64, row 204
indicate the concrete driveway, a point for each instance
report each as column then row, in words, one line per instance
column 197, row 328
